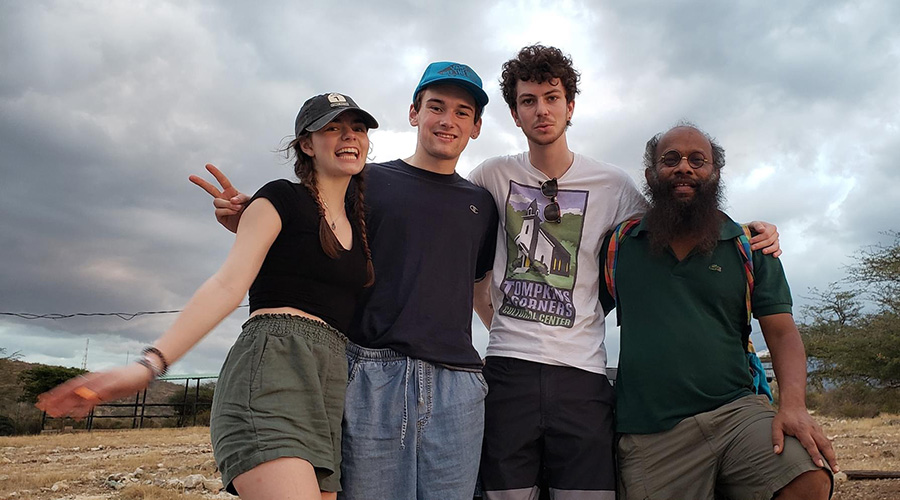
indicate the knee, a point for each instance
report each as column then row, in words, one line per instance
column 811, row 485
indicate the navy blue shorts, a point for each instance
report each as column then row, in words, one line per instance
column 547, row 426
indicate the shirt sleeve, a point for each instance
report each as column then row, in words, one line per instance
column 477, row 176
column 279, row 193
column 632, row 203
column 489, row 243
column 771, row 293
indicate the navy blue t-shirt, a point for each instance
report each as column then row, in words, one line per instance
column 431, row 235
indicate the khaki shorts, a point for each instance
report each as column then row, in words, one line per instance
column 724, row 453
column 281, row 394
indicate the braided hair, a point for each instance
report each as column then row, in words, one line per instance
column 304, row 169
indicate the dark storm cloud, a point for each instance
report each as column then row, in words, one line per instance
column 106, row 108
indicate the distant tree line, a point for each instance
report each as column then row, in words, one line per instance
column 852, row 336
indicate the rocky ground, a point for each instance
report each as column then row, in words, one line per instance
column 866, row 444
column 150, row 463
column 177, row 463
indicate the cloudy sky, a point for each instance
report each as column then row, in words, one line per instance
column 106, row 107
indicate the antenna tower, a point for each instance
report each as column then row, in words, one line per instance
column 87, row 343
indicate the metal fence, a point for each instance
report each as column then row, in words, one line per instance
column 140, row 405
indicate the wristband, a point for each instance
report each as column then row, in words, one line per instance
column 158, row 371
column 154, row 370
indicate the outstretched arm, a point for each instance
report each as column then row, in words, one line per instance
column 789, row 362
column 766, row 238
column 229, row 202
column 211, row 303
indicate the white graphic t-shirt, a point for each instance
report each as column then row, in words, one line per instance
column 546, row 274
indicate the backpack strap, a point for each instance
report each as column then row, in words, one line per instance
column 756, row 368
column 743, row 245
column 612, row 256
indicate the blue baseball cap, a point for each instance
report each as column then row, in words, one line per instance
column 456, row 74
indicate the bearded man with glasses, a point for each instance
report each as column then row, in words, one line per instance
column 690, row 423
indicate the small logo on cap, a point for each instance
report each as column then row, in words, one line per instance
column 456, row 70
column 337, row 100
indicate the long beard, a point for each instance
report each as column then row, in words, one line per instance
column 669, row 218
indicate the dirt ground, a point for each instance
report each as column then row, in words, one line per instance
column 177, row 463
column 866, row 444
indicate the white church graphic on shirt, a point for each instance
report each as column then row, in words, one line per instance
column 538, row 248
column 541, row 256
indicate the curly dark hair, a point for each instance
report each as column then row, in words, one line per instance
column 538, row 63
column 650, row 155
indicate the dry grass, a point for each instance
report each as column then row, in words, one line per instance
column 866, row 444
column 141, row 491
column 81, row 464
column 30, row 466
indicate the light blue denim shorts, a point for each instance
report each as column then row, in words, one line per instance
column 412, row 429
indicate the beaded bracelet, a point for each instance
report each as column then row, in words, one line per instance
column 155, row 370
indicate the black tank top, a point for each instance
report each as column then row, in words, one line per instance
column 296, row 272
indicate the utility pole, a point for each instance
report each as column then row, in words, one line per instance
column 87, row 343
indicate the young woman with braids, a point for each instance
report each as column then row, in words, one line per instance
column 302, row 252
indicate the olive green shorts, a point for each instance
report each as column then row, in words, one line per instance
column 723, row 453
column 281, row 394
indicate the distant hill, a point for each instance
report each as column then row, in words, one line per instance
column 27, row 417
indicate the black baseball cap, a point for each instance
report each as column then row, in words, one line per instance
column 320, row 110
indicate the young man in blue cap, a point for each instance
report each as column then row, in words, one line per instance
column 414, row 413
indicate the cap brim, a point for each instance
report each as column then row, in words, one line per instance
column 481, row 97
column 317, row 125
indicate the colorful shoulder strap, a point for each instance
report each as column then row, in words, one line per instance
column 761, row 384
column 743, row 246
column 612, row 254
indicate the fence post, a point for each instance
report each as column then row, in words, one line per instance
column 182, row 418
column 137, row 400
column 196, row 400
column 143, row 407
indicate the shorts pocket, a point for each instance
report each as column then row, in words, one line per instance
column 483, row 382
column 260, row 348
column 353, row 366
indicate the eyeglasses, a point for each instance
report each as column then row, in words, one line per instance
column 672, row 158
column 550, row 189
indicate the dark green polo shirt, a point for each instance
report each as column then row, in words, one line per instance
column 681, row 325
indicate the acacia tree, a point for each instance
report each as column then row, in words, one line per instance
column 847, row 344
column 878, row 269
column 42, row 378
column 9, row 357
